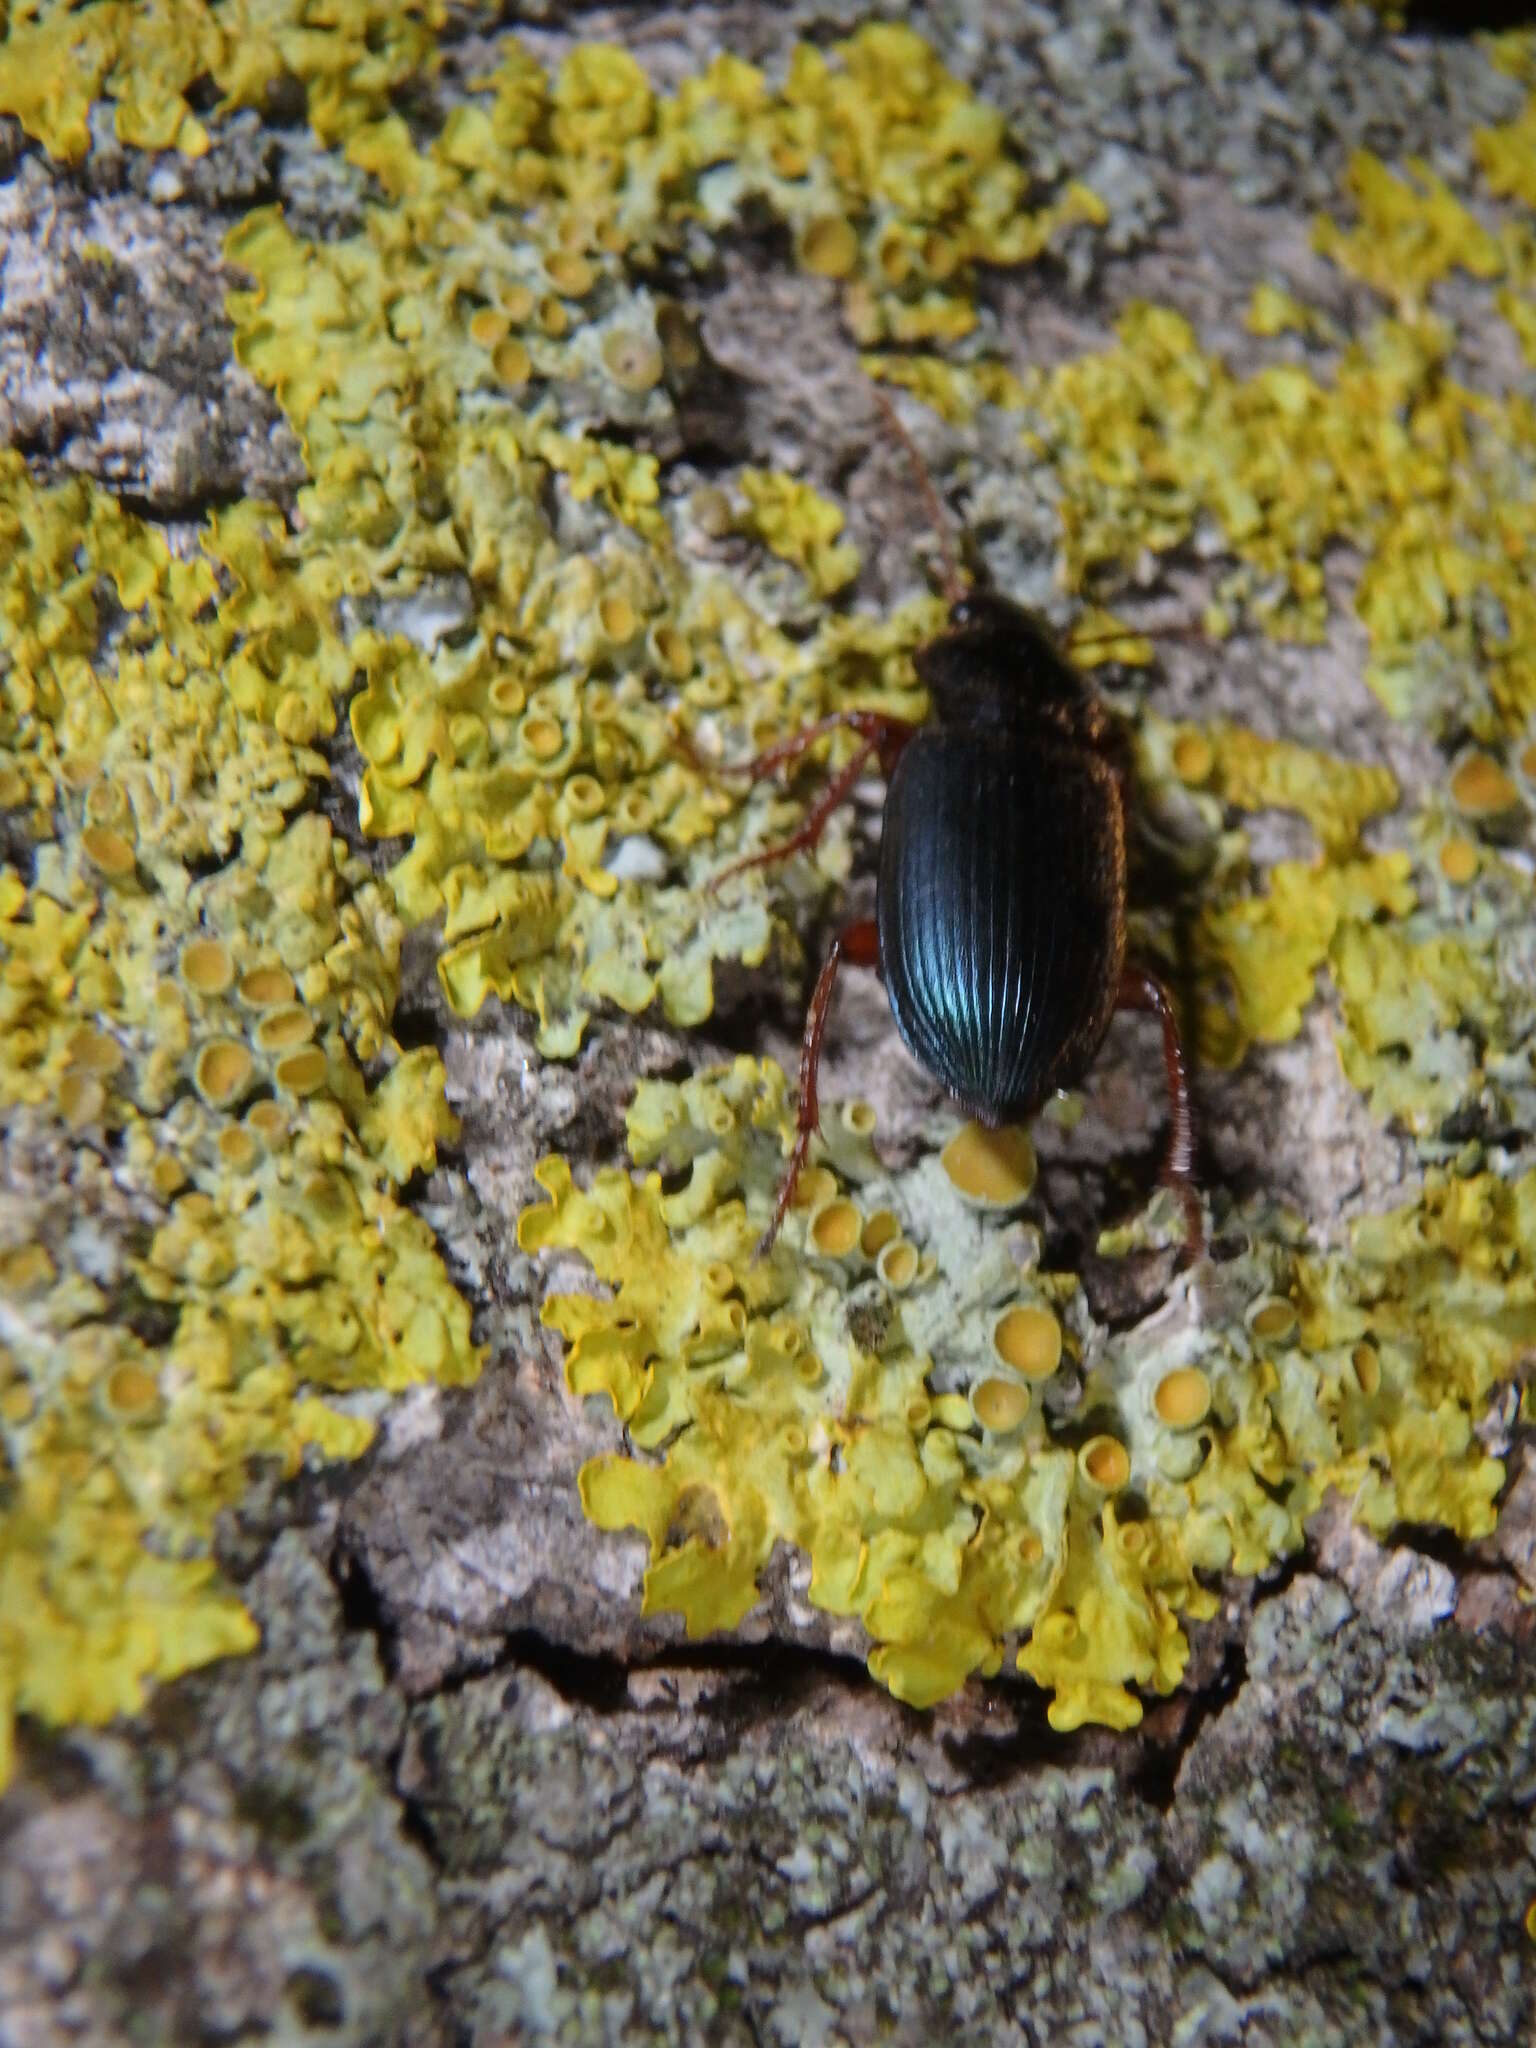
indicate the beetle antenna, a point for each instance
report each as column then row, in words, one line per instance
column 955, row 585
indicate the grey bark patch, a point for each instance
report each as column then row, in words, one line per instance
column 115, row 352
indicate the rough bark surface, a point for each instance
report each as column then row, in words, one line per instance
column 463, row 1792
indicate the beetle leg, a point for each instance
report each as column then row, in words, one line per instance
column 954, row 585
column 860, row 944
column 872, row 726
column 1141, row 990
column 814, row 824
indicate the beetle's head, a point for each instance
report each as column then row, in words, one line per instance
column 994, row 656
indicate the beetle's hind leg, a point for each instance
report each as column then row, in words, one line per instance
column 1140, row 989
column 860, row 944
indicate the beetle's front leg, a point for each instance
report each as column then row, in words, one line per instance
column 860, row 944
column 1140, row 989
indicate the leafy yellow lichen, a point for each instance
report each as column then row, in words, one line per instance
column 1272, row 311
column 145, row 55
column 223, row 1034
column 557, row 825
column 955, row 390
column 1251, row 773
column 1507, row 152
column 802, row 526
column 1260, row 955
column 1431, row 482
column 1258, row 951
column 806, row 1399
column 1412, row 232
column 199, row 977
column 897, row 180
column 228, row 1031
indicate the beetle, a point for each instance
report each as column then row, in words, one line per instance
column 999, row 927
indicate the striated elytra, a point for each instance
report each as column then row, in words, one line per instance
column 999, row 926
column 1001, row 905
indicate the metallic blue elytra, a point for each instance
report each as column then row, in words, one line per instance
column 1001, row 899
column 999, row 922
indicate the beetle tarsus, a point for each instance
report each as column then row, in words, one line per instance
column 860, row 944
column 1194, row 1221
column 1140, row 989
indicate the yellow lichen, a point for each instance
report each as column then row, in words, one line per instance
column 1431, row 482
column 1260, row 956
column 208, row 966
column 801, row 525
column 1410, row 234
column 1104, row 1463
column 541, row 906
column 1404, row 1002
column 1272, row 311
column 898, row 1265
column 951, row 1529
column 1029, row 1339
column 957, row 391
column 146, row 54
column 1000, row 1404
column 1481, row 789
column 993, row 1168
column 1335, row 797
column 284, row 1272
column 1182, row 1397
column 199, row 972
column 834, row 1229
column 1507, row 153
column 1458, row 860
column 540, row 699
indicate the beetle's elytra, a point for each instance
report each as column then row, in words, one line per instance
column 1001, row 896
column 999, row 925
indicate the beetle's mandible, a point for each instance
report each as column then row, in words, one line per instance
column 999, row 926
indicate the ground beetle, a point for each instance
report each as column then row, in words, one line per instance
column 999, row 926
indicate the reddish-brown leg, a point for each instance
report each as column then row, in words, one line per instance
column 955, row 585
column 885, row 736
column 1141, row 990
column 859, row 944
column 813, row 824
column 873, row 726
